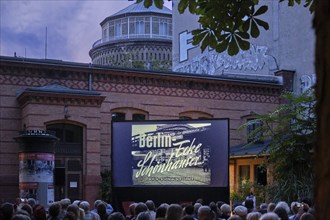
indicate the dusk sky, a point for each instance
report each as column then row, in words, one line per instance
column 72, row 27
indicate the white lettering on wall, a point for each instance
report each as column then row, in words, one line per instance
column 185, row 44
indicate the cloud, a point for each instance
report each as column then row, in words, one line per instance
column 72, row 27
column 25, row 22
column 89, row 30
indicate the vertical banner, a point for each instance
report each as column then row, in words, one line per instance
column 36, row 175
column 50, row 194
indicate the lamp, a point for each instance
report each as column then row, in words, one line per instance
column 66, row 112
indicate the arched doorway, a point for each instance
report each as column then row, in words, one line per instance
column 68, row 161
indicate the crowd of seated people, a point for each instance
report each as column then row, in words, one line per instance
column 66, row 209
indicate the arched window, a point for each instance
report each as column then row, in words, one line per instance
column 67, row 133
column 252, row 128
column 139, row 117
column 118, row 116
column 127, row 113
column 251, row 133
column 184, row 118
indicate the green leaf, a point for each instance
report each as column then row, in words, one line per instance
column 233, row 47
column 159, row 3
column 221, row 37
column 252, row 9
column 261, row 10
column 147, row 3
column 205, row 42
column 183, row 4
column 198, row 36
column 254, row 30
column 192, row 6
column 311, row 5
column 243, row 35
column 204, row 20
column 243, row 44
column 291, row 2
column 307, row 3
column 246, row 25
column 212, row 41
column 222, row 46
column 262, row 23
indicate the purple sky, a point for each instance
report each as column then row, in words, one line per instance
column 72, row 27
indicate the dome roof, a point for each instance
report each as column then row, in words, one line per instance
column 139, row 8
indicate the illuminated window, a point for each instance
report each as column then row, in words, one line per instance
column 244, row 172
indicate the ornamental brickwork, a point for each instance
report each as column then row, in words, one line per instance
column 36, row 94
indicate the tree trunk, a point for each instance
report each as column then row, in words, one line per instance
column 322, row 149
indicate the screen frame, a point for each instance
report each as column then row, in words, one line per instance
column 179, row 121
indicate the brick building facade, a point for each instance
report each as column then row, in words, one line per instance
column 79, row 101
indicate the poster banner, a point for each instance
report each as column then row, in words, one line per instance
column 28, row 189
column 171, row 154
column 50, row 194
column 36, row 167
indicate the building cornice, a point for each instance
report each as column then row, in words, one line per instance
column 107, row 79
column 48, row 98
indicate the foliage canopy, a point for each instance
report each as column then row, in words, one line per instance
column 291, row 127
column 229, row 25
column 226, row 25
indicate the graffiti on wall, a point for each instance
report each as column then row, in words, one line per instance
column 307, row 81
column 213, row 63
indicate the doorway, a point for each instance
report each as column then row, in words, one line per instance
column 68, row 161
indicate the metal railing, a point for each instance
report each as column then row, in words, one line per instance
column 132, row 36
